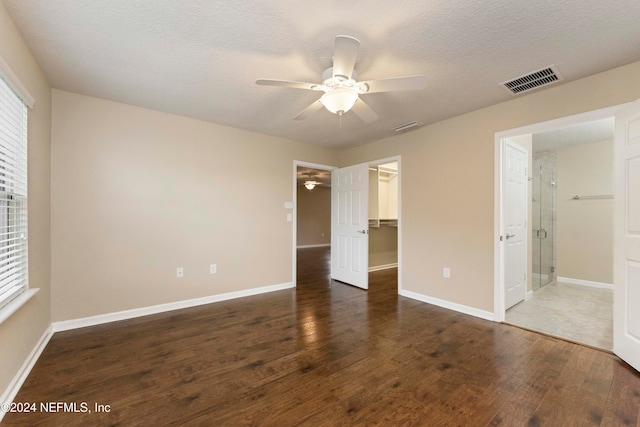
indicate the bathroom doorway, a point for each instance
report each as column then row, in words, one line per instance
column 570, row 253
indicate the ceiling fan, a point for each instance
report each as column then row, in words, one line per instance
column 310, row 183
column 341, row 90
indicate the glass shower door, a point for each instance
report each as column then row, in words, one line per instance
column 543, row 213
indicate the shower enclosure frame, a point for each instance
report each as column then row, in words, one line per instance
column 543, row 227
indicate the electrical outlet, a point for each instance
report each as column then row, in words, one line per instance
column 179, row 272
column 213, row 269
column 446, row 273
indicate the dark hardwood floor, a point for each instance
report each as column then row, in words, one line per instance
column 326, row 354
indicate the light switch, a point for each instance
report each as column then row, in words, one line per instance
column 289, row 217
column 288, row 205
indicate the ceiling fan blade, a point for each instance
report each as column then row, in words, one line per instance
column 309, row 110
column 363, row 111
column 288, row 83
column 344, row 56
column 395, row 84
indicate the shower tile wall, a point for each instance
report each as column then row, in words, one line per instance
column 544, row 212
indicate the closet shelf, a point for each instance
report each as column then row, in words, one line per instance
column 600, row 196
column 376, row 223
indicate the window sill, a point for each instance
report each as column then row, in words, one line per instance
column 14, row 305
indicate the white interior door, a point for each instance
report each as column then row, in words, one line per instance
column 350, row 225
column 515, row 222
column 626, row 274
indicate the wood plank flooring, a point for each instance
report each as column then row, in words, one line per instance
column 326, row 354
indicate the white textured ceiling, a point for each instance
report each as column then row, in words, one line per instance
column 322, row 177
column 200, row 58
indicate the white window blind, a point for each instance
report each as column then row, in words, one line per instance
column 13, row 194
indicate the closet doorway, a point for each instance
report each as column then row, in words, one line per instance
column 383, row 216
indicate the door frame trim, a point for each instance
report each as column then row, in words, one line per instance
column 296, row 164
column 498, row 222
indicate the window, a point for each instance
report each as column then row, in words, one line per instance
column 13, row 195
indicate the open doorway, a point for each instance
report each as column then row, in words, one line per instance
column 312, row 224
column 569, row 260
column 382, row 220
column 313, row 194
column 383, row 216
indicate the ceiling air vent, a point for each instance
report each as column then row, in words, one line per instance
column 407, row 127
column 533, row 80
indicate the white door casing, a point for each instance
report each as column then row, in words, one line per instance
column 350, row 225
column 515, row 222
column 626, row 272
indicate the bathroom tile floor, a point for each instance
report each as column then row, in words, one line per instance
column 578, row 313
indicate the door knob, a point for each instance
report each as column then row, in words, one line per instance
column 508, row 236
column 362, row 231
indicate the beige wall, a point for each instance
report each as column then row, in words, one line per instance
column 585, row 227
column 20, row 333
column 137, row 193
column 314, row 216
column 448, row 183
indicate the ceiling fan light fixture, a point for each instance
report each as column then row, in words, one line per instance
column 309, row 185
column 339, row 100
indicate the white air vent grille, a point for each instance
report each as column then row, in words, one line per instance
column 407, row 127
column 533, row 80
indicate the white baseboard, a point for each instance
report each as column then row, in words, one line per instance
column 321, row 245
column 161, row 308
column 383, row 267
column 22, row 374
column 486, row 315
column 528, row 295
column 581, row 282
